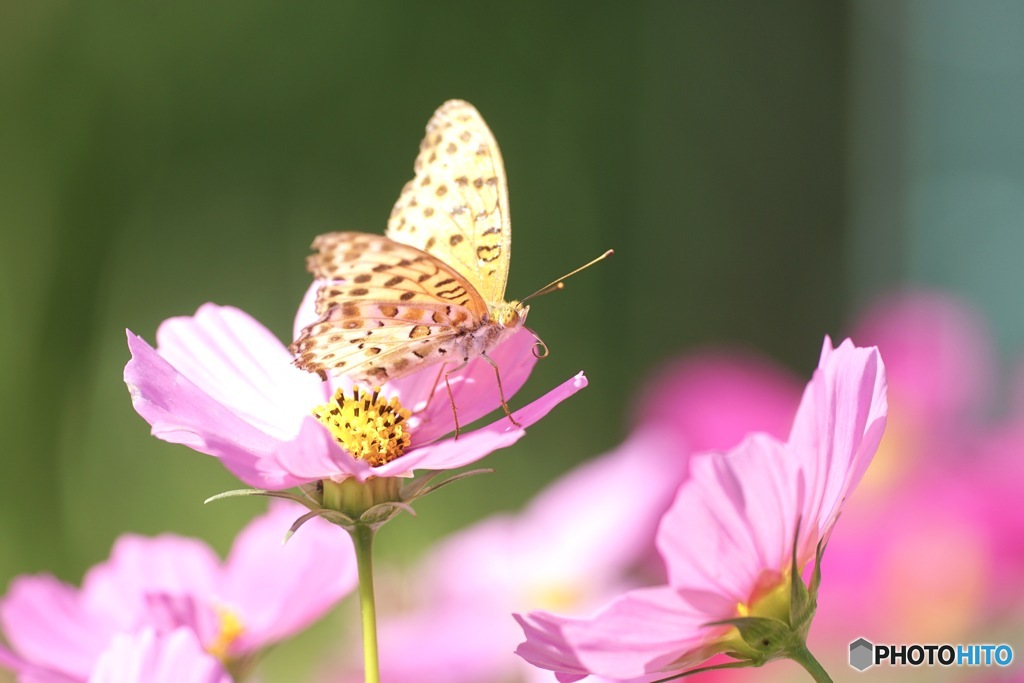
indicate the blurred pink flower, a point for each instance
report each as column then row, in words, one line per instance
column 263, row 593
column 938, row 354
column 561, row 550
column 222, row 384
column 728, row 538
column 148, row 657
column 713, row 398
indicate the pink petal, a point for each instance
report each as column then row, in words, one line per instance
column 583, row 547
column 455, row 644
column 8, row 660
column 145, row 657
column 837, row 430
column 474, row 387
column 139, row 566
column 451, row 453
column 490, row 551
column 240, row 364
column 471, row 447
column 180, row 412
column 595, row 544
column 280, row 588
column 193, row 611
column 48, row 625
column 313, row 455
column 645, row 631
column 536, row 411
column 29, row 672
column 732, row 524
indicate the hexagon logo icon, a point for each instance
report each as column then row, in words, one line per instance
column 861, row 654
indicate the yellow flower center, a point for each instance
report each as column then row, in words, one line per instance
column 556, row 596
column 770, row 599
column 369, row 427
column 230, row 628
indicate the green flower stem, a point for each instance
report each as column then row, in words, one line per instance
column 362, row 539
column 802, row 656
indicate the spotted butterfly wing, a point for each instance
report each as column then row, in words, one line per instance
column 456, row 207
column 385, row 308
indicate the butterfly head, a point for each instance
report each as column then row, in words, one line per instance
column 509, row 315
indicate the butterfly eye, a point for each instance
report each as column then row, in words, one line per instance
column 508, row 317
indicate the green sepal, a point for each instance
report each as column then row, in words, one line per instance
column 801, row 601
column 766, row 638
column 350, row 503
column 804, row 599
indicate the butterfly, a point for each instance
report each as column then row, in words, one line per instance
column 432, row 289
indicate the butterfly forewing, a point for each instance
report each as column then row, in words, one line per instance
column 367, row 267
column 456, row 207
column 385, row 308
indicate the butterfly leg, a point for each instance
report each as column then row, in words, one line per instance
column 501, row 392
column 448, row 387
column 451, row 398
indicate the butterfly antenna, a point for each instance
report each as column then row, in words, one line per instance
column 557, row 284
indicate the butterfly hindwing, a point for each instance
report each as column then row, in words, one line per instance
column 373, row 343
column 384, row 308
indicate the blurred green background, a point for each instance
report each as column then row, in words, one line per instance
column 761, row 169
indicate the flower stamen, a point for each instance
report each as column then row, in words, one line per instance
column 368, row 426
column 230, row 628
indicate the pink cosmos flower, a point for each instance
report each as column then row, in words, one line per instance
column 222, row 384
column 142, row 657
column 149, row 657
column 263, row 593
column 728, row 539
